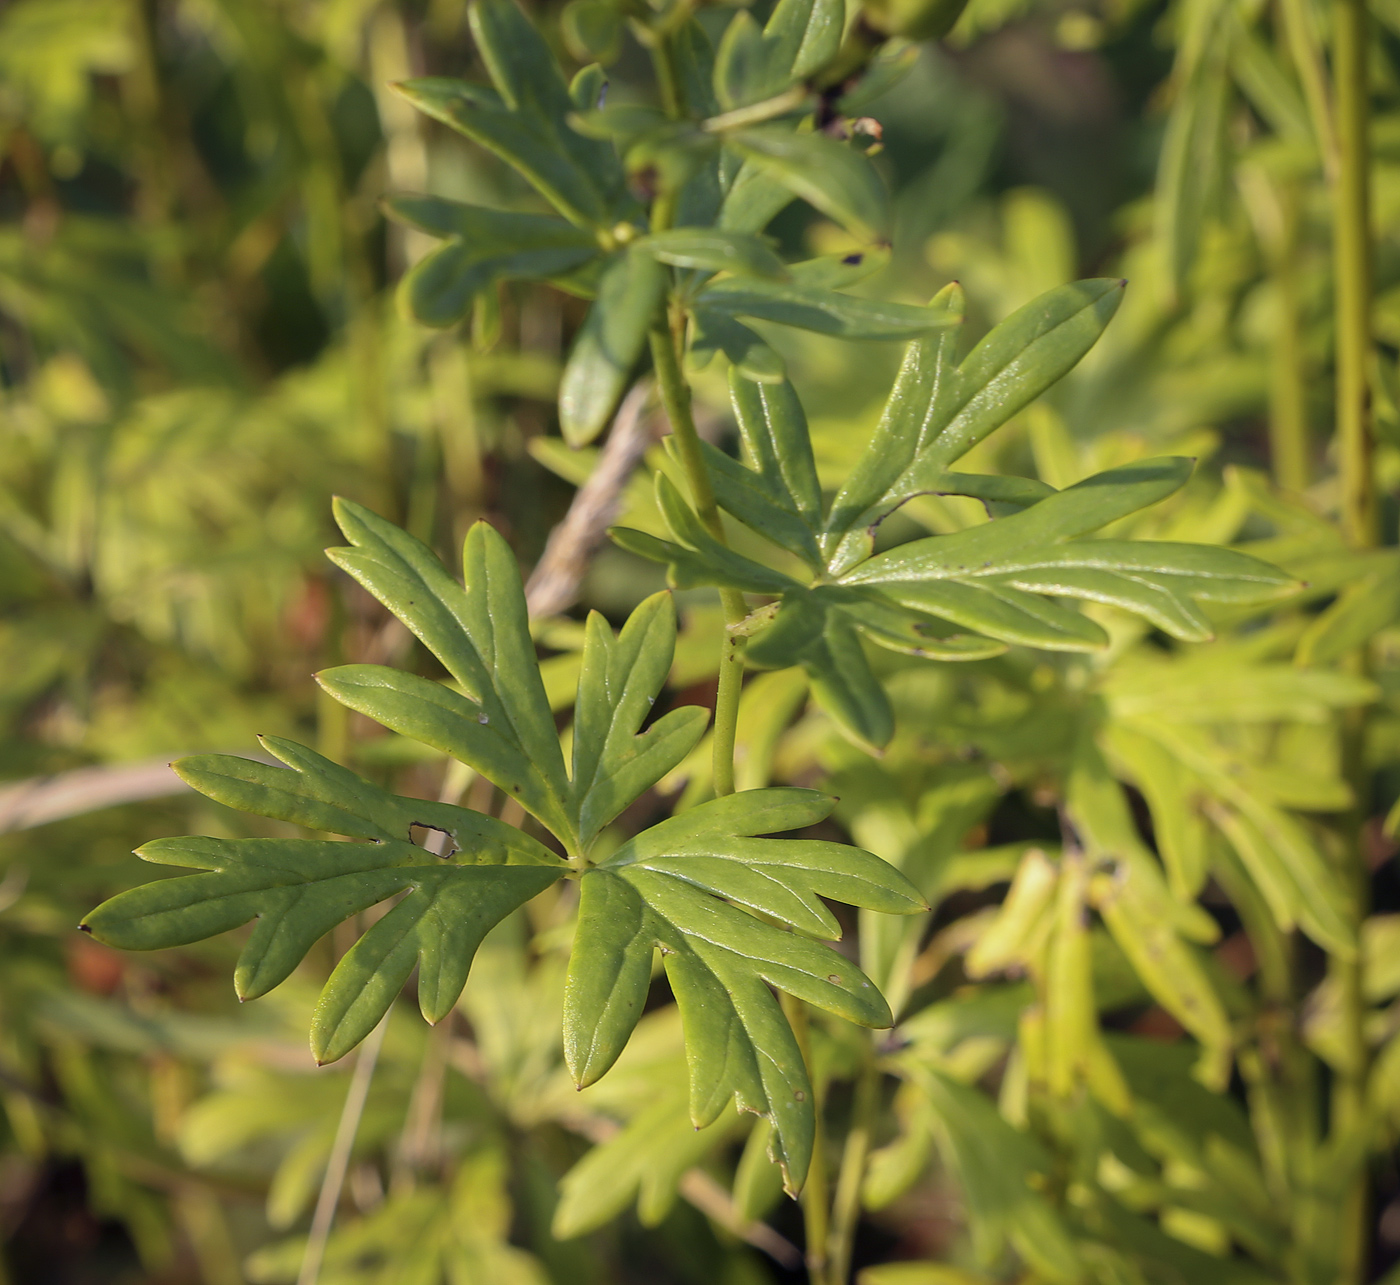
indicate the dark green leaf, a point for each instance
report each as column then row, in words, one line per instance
column 481, row 634
column 752, row 198
column 780, row 496
column 609, row 345
column 832, row 176
column 712, row 332
column 614, row 761
column 1078, row 509
column 826, row 644
column 483, row 247
column 436, row 715
column 659, row 891
column 713, row 250
column 824, row 311
column 800, row 37
column 525, row 120
column 299, row 889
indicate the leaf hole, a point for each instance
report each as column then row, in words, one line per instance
column 432, row 839
column 833, row 977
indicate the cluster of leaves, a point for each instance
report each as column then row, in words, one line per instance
column 677, row 887
column 1095, row 752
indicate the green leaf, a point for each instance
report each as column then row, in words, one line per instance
column 646, row 1159
column 322, row 795
column 831, row 176
column 525, row 121
column 502, row 725
column 773, row 428
column 1177, row 824
column 800, row 38
column 824, row 311
column 435, row 715
column 660, row 890
column 723, row 565
column 1191, row 165
column 779, row 496
column 713, row 250
column 609, row 344
column 592, row 29
column 938, row 411
column 687, row 569
column 753, row 197
column 995, row 1164
column 712, row 332
column 483, row 247
column 299, row 889
column 826, row 644
column 983, row 578
column 614, row 761
column 1359, row 613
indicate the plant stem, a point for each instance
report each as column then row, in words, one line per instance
column 845, row 1206
column 1352, row 253
column 675, row 396
column 815, row 1213
column 1359, row 518
column 1288, row 419
column 341, row 1147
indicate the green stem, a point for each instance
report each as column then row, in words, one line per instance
column 1288, row 419
column 1304, row 45
column 815, row 1211
column 675, row 396
column 1359, row 517
column 1352, row 251
column 845, row 1206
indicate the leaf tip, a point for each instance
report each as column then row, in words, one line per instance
column 85, row 927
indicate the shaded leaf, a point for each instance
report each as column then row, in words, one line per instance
column 609, row 345
column 831, row 176
column 524, row 120
column 483, row 247
column 826, row 312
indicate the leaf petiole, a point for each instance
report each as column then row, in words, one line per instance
column 675, row 397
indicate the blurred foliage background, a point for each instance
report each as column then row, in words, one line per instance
column 200, row 345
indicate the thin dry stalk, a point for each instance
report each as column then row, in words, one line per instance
column 554, row 585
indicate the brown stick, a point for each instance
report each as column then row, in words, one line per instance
column 41, row 799
column 554, row 584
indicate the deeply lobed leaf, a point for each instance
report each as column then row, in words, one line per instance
column 299, row 889
column 662, row 891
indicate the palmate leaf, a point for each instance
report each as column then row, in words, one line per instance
column 614, row 762
column 299, row 889
column 662, row 891
column 687, row 886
